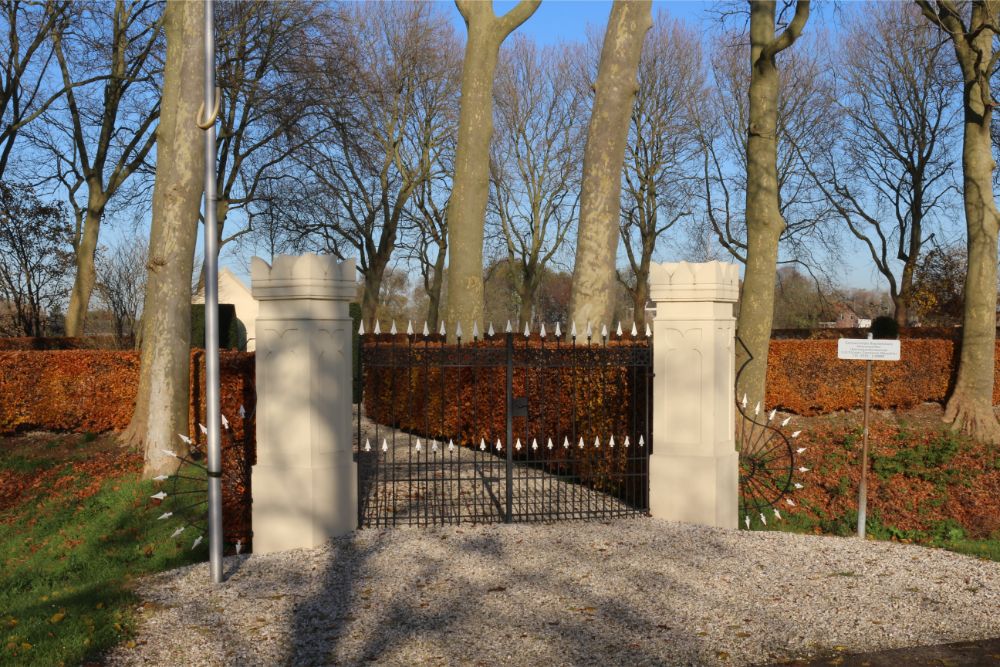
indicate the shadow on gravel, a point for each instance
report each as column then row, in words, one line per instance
column 984, row 653
column 465, row 599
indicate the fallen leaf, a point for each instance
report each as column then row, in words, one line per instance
column 58, row 616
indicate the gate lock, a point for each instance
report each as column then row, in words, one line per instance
column 519, row 406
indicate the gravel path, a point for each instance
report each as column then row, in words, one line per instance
column 637, row 592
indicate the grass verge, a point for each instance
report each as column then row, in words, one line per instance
column 76, row 528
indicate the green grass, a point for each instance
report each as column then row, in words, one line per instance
column 69, row 563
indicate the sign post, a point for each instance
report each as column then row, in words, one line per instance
column 868, row 350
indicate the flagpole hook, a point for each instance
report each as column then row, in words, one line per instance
column 209, row 122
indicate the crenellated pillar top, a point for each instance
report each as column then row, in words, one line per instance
column 308, row 276
column 715, row 281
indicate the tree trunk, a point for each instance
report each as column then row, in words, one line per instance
column 970, row 407
column 901, row 301
column 592, row 293
column 161, row 410
column 434, row 292
column 763, row 215
column 640, row 297
column 371, row 288
column 470, row 187
column 85, row 252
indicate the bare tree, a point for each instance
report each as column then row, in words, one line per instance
column 471, row 183
column 34, row 255
column 161, row 408
column 100, row 134
column 366, row 167
column 535, row 158
column 763, row 221
column 26, row 35
column 594, row 276
column 661, row 154
column 973, row 35
column 892, row 166
column 121, row 285
column 268, row 103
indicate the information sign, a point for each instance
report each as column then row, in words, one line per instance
column 868, row 349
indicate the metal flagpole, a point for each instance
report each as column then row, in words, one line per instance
column 211, row 271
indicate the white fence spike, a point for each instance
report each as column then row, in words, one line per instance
column 418, row 445
column 777, row 514
column 541, row 332
column 798, row 486
column 649, row 332
column 162, row 478
column 241, row 412
column 566, row 442
column 746, row 520
column 177, row 532
column 225, row 422
column 475, row 329
column 797, row 433
column 170, row 452
column 203, row 428
column 427, row 330
column 635, row 331
column 361, row 329
column 196, row 543
column 580, row 445
column 434, row 445
column 803, row 469
column 160, row 495
column 744, row 401
column 378, row 329
column 517, row 445
column 785, row 421
column 239, row 547
column 790, row 502
column 550, row 445
column 590, row 331
column 451, row 445
column 385, row 445
column 482, row 444
column 499, row 446
column 800, row 450
column 604, row 331
column 534, row 444
column 597, row 442
column 368, row 445
column 165, row 515
column 642, row 441
column 558, row 331
column 573, row 330
column 392, row 329
column 771, row 416
column 626, row 443
column 618, row 332
column 527, row 330
column 763, row 520
column 756, row 409
column 490, row 332
column 611, row 442
column 458, row 330
column 442, row 330
column 409, row 327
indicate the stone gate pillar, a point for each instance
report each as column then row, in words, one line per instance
column 694, row 467
column 305, row 480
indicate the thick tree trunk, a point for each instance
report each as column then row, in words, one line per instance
column 371, row 288
column 470, row 187
column 84, row 256
column 901, row 302
column 161, row 410
column 592, row 294
column 763, row 215
column 970, row 407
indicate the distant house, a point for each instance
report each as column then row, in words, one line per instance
column 846, row 319
column 232, row 290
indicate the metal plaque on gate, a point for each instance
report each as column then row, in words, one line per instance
column 868, row 349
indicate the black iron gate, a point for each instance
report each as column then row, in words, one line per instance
column 505, row 428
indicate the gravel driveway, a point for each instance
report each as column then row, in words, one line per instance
column 636, row 592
